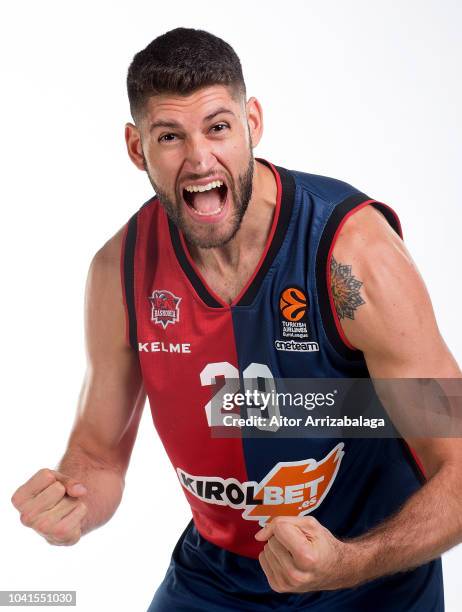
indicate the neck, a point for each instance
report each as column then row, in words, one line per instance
column 250, row 239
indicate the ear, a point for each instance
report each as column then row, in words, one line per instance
column 254, row 120
column 134, row 148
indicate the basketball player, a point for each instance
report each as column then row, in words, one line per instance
column 241, row 268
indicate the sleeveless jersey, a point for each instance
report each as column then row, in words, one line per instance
column 193, row 347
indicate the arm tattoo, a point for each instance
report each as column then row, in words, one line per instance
column 345, row 290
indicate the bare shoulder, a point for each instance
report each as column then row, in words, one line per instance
column 104, row 270
column 104, row 302
column 371, row 248
column 109, row 253
column 369, row 262
column 366, row 228
column 381, row 301
column 378, row 293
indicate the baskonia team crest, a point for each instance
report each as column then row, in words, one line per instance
column 165, row 307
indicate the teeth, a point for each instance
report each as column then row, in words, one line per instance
column 212, row 185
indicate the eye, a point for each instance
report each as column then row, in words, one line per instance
column 219, row 127
column 167, row 138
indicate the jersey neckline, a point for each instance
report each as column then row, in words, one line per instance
column 282, row 214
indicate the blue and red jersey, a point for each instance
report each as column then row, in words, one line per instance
column 193, row 347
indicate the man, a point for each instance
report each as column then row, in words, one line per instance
column 239, row 269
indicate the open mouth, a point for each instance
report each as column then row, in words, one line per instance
column 206, row 200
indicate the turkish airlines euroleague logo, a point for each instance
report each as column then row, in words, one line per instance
column 293, row 304
column 291, row 488
column 294, row 329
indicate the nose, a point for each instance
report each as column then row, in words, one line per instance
column 198, row 155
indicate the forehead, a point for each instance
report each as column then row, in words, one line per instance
column 193, row 107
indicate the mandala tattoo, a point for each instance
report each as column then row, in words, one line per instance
column 345, row 290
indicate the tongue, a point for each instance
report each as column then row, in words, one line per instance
column 206, row 202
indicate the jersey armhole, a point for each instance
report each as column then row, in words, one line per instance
column 414, row 461
column 127, row 276
column 340, row 214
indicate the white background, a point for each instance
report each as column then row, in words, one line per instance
column 365, row 91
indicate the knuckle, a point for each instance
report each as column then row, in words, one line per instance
column 60, row 532
column 74, row 539
column 68, row 542
column 26, row 519
column 46, row 473
column 294, row 577
column 67, row 537
column 276, row 588
column 278, row 528
column 42, row 525
column 311, row 521
column 305, row 559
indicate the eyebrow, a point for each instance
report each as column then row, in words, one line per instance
column 176, row 125
column 219, row 111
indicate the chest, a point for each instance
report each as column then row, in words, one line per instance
column 228, row 283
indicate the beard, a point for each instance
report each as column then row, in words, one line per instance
column 209, row 236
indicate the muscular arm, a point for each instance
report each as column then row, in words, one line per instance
column 392, row 321
column 86, row 488
column 112, row 396
column 384, row 310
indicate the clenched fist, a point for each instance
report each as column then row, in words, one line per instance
column 49, row 503
column 301, row 555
